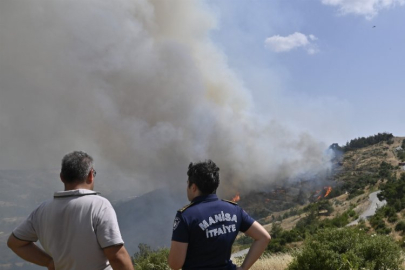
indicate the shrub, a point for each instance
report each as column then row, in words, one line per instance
column 400, row 226
column 347, row 248
column 244, row 240
column 394, row 193
column 383, row 231
column 279, row 238
column 149, row 259
column 391, row 213
column 351, row 213
column 392, row 219
column 378, row 223
column 362, row 225
column 401, row 155
column 385, row 170
column 276, row 230
column 277, row 245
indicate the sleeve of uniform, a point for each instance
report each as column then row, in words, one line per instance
column 25, row 231
column 107, row 230
column 180, row 229
column 246, row 222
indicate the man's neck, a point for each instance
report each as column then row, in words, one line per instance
column 198, row 194
column 77, row 186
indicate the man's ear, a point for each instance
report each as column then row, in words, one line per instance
column 194, row 187
column 90, row 177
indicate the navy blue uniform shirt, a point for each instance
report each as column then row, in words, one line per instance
column 209, row 226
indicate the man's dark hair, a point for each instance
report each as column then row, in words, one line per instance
column 205, row 175
column 76, row 166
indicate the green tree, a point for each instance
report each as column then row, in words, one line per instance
column 394, row 193
column 347, row 249
column 149, row 259
column 385, row 170
column 276, row 230
column 400, row 226
column 371, row 140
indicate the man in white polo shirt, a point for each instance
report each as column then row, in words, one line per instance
column 77, row 229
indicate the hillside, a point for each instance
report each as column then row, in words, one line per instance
column 356, row 174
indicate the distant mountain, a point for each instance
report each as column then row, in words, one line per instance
column 149, row 218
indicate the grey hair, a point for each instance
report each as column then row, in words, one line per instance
column 76, row 166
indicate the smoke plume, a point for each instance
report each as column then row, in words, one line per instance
column 140, row 86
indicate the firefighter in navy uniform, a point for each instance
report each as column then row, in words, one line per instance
column 204, row 230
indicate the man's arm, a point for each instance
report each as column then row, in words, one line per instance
column 30, row 252
column 262, row 239
column 177, row 255
column 118, row 257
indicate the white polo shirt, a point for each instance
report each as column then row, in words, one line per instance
column 73, row 227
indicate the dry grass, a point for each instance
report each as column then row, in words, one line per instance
column 275, row 262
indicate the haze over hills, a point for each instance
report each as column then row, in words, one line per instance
column 147, row 218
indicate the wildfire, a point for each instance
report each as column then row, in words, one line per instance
column 319, row 194
column 236, row 198
column 328, row 190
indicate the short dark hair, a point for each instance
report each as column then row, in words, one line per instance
column 76, row 166
column 205, row 175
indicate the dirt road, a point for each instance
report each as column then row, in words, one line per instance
column 370, row 211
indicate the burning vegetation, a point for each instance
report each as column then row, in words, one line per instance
column 236, row 198
column 322, row 193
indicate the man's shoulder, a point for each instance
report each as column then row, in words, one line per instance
column 184, row 208
column 98, row 199
column 83, row 197
column 43, row 205
column 228, row 201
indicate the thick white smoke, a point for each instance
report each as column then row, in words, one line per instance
column 139, row 85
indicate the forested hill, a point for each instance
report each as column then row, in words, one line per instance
column 364, row 166
column 362, row 142
column 359, row 170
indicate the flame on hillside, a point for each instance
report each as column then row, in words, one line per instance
column 328, row 190
column 322, row 193
column 236, row 198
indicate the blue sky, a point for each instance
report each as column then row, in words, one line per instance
column 350, row 70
